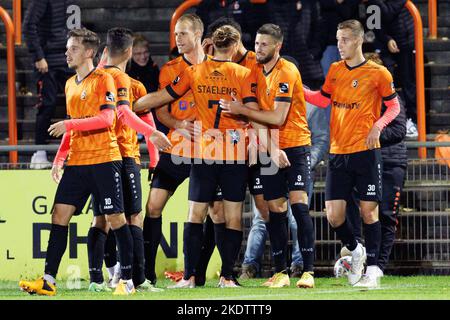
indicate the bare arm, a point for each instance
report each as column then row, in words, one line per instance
column 153, row 100
column 275, row 117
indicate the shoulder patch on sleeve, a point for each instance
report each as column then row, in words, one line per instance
column 284, row 87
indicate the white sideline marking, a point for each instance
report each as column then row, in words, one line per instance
column 313, row 291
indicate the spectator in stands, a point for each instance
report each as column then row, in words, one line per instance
column 249, row 15
column 397, row 37
column 45, row 30
column 394, row 156
column 332, row 13
column 300, row 22
column 144, row 69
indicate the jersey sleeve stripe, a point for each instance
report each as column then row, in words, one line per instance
column 125, row 102
column 392, row 96
column 107, row 106
column 283, row 99
column 249, row 99
column 172, row 92
column 325, row 94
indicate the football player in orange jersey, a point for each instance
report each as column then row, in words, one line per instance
column 356, row 87
column 118, row 52
column 179, row 116
column 222, row 139
column 283, row 107
column 245, row 58
column 94, row 163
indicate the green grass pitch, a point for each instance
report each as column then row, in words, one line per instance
column 392, row 288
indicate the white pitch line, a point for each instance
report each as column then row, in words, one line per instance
column 262, row 295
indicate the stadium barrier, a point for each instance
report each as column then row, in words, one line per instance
column 432, row 19
column 17, row 16
column 25, row 221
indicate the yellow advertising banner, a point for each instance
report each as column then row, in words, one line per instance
column 25, row 220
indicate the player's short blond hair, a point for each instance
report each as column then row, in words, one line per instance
column 374, row 57
column 194, row 20
column 354, row 25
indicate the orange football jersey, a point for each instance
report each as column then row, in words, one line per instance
column 84, row 99
column 356, row 95
column 126, row 136
column 137, row 90
column 223, row 136
column 283, row 83
column 182, row 108
column 248, row 60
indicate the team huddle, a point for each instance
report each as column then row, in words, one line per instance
column 237, row 119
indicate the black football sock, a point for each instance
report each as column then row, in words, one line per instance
column 110, row 250
column 138, row 255
column 152, row 237
column 278, row 234
column 233, row 244
column 192, row 244
column 56, row 247
column 372, row 233
column 208, row 246
column 219, row 236
column 345, row 234
column 125, row 246
column 305, row 234
column 96, row 251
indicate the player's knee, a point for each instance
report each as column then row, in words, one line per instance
column 153, row 210
column 369, row 216
column 279, row 205
column 100, row 223
column 234, row 223
column 137, row 220
column 334, row 219
column 116, row 220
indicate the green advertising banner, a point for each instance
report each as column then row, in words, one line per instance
column 25, row 221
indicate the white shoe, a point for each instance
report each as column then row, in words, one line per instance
column 371, row 279
column 39, row 160
column 114, row 281
column 411, row 129
column 358, row 259
column 345, row 252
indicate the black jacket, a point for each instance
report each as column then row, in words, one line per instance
column 393, row 147
column 45, row 30
column 396, row 23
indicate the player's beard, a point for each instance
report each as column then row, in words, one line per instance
column 267, row 58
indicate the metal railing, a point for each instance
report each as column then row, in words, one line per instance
column 176, row 15
column 11, row 68
column 420, row 79
column 17, row 16
column 432, row 19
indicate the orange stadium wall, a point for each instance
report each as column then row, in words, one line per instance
column 26, row 201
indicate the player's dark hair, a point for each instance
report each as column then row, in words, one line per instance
column 272, row 30
column 222, row 21
column 89, row 39
column 354, row 25
column 118, row 40
column 224, row 37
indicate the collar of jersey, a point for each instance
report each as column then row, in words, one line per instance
column 189, row 63
column 267, row 73
column 78, row 82
column 352, row 68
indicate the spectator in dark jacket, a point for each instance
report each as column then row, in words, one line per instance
column 395, row 158
column 332, row 13
column 143, row 68
column 397, row 38
column 45, row 30
column 250, row 16
column 300, row 23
